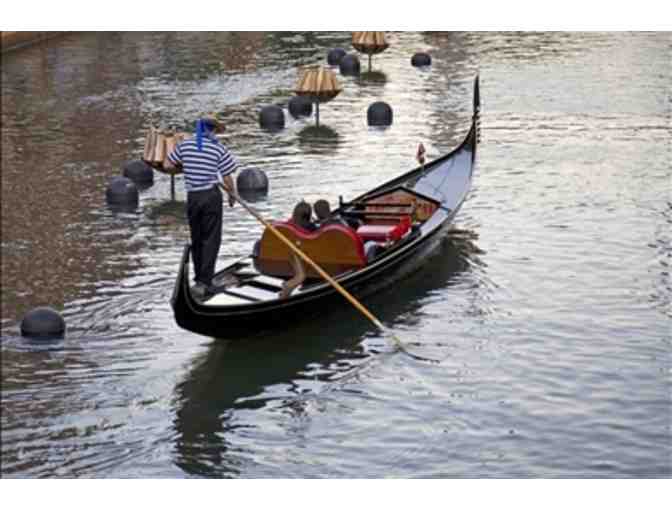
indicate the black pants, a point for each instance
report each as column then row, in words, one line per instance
column 204, row 209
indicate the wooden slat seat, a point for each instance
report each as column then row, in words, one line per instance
column 252, row 292
column 269, row 281
column 399, row 200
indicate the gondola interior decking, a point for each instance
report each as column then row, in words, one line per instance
column 363, row 245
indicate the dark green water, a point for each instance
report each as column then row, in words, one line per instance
column 549, row 305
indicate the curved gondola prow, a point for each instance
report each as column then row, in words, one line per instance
column 470, row 142
column 476, row 122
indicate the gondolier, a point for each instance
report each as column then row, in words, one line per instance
column 203, row 158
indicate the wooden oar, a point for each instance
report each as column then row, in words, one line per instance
column 398, row 343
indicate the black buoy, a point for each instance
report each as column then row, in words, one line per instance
column 122, row 191
column 349, row 65
column 300, row 106
column 421, row 59
column 252, row 179
column 139, row 171
column 379, row 114
column 43, row 322
column 272, row 117
column 334, row 56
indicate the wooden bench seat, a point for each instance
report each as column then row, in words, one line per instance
column 335, row 248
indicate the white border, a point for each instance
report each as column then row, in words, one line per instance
column 337, row 494
column 337, row 15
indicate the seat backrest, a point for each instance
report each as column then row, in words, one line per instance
column 335, row 248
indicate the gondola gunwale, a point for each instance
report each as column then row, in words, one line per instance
column 390, row 261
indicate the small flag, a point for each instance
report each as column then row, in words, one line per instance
column 420, row 156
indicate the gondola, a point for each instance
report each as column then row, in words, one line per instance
column 372, row 241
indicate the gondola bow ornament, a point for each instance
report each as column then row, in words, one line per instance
column 420, row 155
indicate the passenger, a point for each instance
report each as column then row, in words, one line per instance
column 353, row 222
column 322, row 211
column 298, row 278
column 372, row 249
column 324, row 216
column 302, row 216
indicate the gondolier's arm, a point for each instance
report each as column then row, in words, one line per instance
column 230, row 187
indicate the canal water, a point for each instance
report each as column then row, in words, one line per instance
column 548, row 304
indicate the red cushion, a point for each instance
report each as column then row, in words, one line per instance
column 384, row 233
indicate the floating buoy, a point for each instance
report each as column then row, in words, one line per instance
column 43, row 322
column 122, row 191
column 300, row 106
column 334, row 56
column 349, row 65
column 379, row 114
column 421, row 59
column 139, row 171
column 272, row 117
column 252, row 179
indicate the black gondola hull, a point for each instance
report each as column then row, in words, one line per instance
column 193, row 316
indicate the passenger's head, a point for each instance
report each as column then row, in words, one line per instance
column 301, row 214
column 322, row 209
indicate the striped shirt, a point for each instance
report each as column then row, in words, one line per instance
column 201, row 167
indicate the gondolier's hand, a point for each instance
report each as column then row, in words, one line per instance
column 229, row 187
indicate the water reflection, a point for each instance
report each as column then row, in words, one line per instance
column 252, row 196
column 231, row 377
column 123, row 208
column 321, row 139
column 372, row 79
column 237, row 376
column 167, row 212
